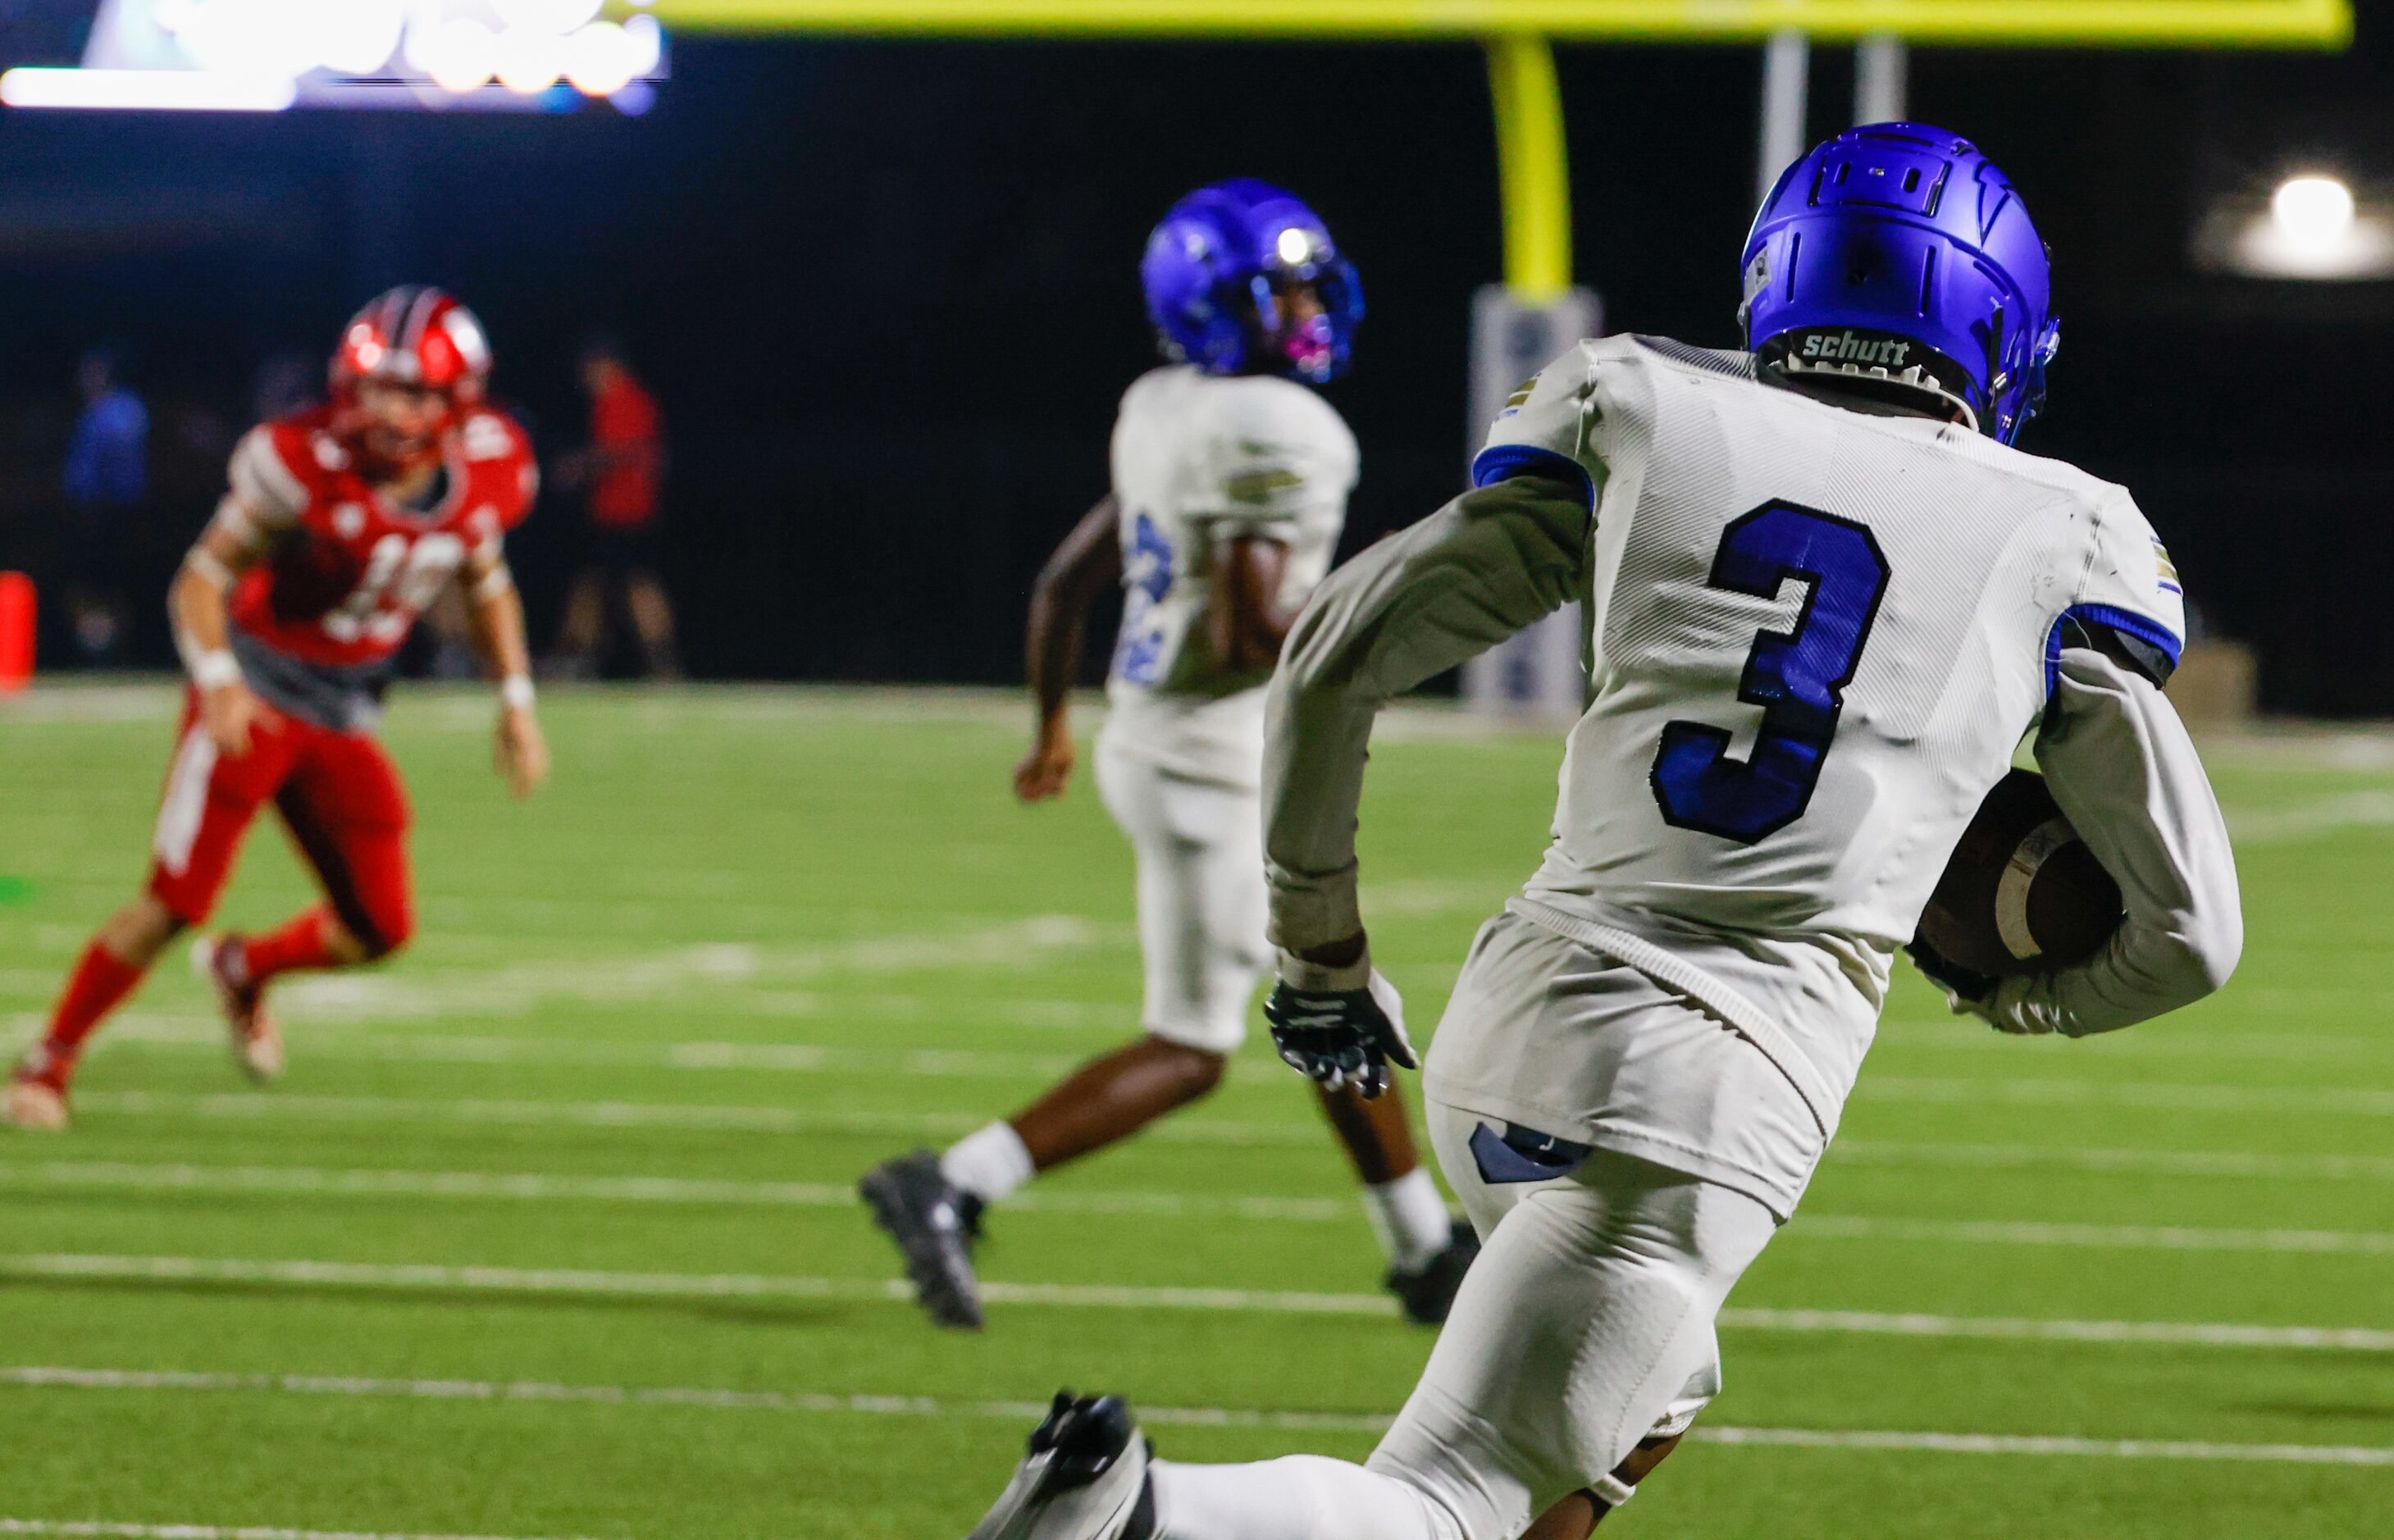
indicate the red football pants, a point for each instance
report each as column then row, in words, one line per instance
column 338, row 793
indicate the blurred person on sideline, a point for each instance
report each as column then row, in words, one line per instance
column 620, row 473
column 107, row 483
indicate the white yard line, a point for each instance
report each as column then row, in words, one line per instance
column 397, row 996
column 2050, row 1446
column 253, row 1107
column 442, row 1278
column 2359, row 809
column 778, row 1057
column 190, row 1034
column 474, row 1185
column 2315, row 1242
column 123, row 1176
column 2155, row 1096
column 2173, row 1041
column 2033, row 1445
column 2195, row 1334
column 714, row 970
column 656, row 1395
column 2163, row 1163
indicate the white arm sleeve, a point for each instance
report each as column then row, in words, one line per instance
column 1486, row 565
column 2120, row 764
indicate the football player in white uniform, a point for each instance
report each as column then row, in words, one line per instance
column 1230, row 478
column 1826, row 602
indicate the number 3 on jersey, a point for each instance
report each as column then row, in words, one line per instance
column 1798, row 677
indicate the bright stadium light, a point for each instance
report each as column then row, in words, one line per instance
column 2314, row 226
column 553, row 17
column 2314, row 212
column 601, row 58
column 368, row 53
column 162, row 90
column 459, row 56
column 530, row 62
column 359, row 38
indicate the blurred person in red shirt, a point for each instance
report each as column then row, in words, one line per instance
column 620, row 473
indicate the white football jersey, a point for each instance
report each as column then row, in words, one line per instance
column 1198, row 459
column 1816, row 638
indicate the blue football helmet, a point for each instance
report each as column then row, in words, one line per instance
column 1224, row 255
column 1896, row 260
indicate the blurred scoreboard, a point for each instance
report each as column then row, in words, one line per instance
column 269, row 55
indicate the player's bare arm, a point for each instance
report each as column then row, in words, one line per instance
column 1244, row 622
column 1084, row 565
column 495, row 620
column 233, row 542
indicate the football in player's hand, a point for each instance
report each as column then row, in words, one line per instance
column 2022, row 892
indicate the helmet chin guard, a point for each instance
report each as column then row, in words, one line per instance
column 1897, row 262
column 1217, row 272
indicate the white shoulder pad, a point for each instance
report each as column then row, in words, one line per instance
column 2130, row 582
column 268, row 490
column 1544, row 428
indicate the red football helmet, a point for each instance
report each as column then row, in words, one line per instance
column 416, row 338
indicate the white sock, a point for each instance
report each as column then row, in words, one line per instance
column 990, row 1164
column 1303, row 1497
column 1410, row 1219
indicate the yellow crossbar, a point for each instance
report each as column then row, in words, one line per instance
column 2084, row 23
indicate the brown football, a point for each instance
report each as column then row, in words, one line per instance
column 2022, row 892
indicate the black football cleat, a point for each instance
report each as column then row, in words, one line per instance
column 1085, row 1477
column 1427, row 1292
column 935, row 1223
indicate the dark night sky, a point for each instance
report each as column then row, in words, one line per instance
column 888, row 294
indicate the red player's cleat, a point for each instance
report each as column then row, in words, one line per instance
column 256, row 1046
column 37, row 1094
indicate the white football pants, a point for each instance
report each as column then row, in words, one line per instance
column 1201, row 897
column 1586, row 1326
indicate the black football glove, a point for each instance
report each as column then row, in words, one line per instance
column 1948, row 975
column 1341, row 1037
column 1968, row 993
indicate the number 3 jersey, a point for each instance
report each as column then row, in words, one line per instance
column 1199, row 460
column 1815, row 639
column 346, row 571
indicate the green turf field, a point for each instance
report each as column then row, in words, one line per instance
column 548, row 1232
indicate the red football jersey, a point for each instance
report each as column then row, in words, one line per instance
column 348, row 569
